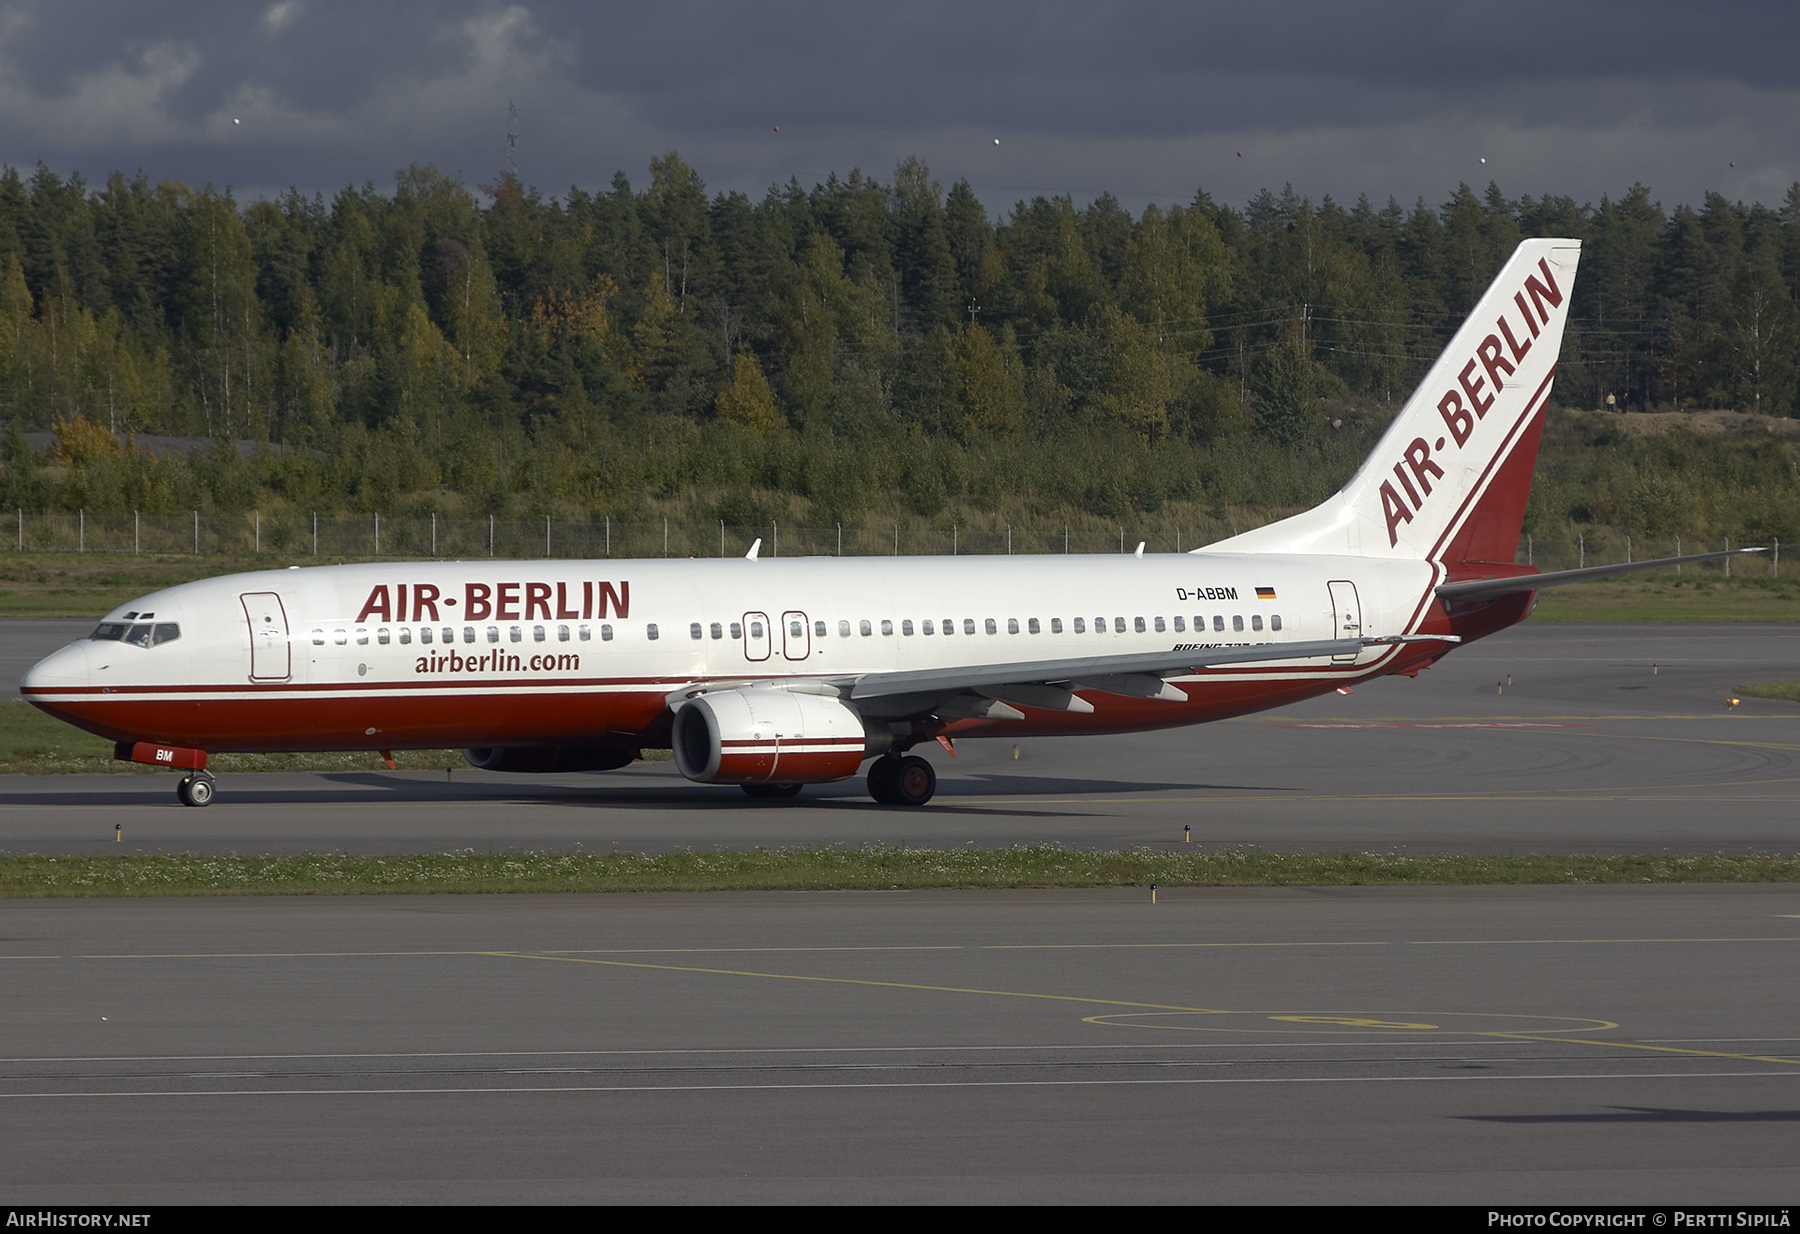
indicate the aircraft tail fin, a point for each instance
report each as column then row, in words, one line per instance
column 1449, row 479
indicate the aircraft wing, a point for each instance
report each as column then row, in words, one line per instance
column 1487, row 588
column 984, row 689
column 978, row 689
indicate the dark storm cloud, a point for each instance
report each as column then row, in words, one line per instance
column 1149, row 100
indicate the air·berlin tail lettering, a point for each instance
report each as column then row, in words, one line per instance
column 1468, row 401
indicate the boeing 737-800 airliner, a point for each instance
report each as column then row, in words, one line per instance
column 775, row 674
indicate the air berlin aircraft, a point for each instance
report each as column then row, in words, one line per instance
column 773, row 674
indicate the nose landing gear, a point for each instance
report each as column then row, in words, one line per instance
column 195, row 790
column 908, row 781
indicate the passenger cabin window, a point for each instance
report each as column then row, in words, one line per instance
column 925, row 626
column 1159, row 625
column 424, row 634
column 969, row 625
column 1081, row 625
column 1119, row 625
column 737, row 629
column 1012, row 625
column 381, row 635
column 1137, row 624
column 865, row 629
column 1275, row 621
column 1032, row 625
column 756, row 629
column 1256, row 621
column 562, row 633
column 1237, row 621
column 318, row 638
column 1056, row 625
column 449, row 635
column 1180, row 625
column 606, row 634
column 694, row 631
column 906, row 627
column 406, row 634
column 537, row 634
column 887, row 628
column 716, row 630
column 843, row 629
column 1218, row 623
column 586, row 633
column 650, row 632
column 362, row 637
column 990, row 627
column 493, row 634
column 515, row 634
column 339, row 637
column 818, row 629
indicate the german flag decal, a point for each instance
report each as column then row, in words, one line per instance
column 1265, row 593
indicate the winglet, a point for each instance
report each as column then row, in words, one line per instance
column 754, row 550
column 1140, row 549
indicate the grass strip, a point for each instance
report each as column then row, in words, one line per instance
column 840, row 869
column 1787, row 691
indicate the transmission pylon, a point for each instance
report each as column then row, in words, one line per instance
column 512, row 141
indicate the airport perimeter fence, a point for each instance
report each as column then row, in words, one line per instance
column 343, row 537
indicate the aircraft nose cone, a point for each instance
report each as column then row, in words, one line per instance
column 68, row 667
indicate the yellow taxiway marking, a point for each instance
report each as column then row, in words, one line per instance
column 362, row 955
column 1366, row 1023
column 1661, row 1049
column 1279, row 796
column 860, row 981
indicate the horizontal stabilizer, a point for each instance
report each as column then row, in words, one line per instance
column 1487, row 588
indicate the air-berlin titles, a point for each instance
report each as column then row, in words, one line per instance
column 1471, row 394
column 499, row 602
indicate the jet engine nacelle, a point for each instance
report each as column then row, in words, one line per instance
column 758, row 735
column 539, row 759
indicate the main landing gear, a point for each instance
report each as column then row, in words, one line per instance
column 908, row 781
column 196, row 789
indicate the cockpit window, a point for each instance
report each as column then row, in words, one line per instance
column 143, row 634
column 109, row 631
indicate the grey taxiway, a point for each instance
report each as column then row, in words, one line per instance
column 1472, row 1045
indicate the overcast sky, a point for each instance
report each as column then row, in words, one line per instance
column 1150, row 101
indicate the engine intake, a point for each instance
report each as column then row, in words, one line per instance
column 759, row 735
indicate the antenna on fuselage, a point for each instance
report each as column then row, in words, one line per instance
column 754, row 550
